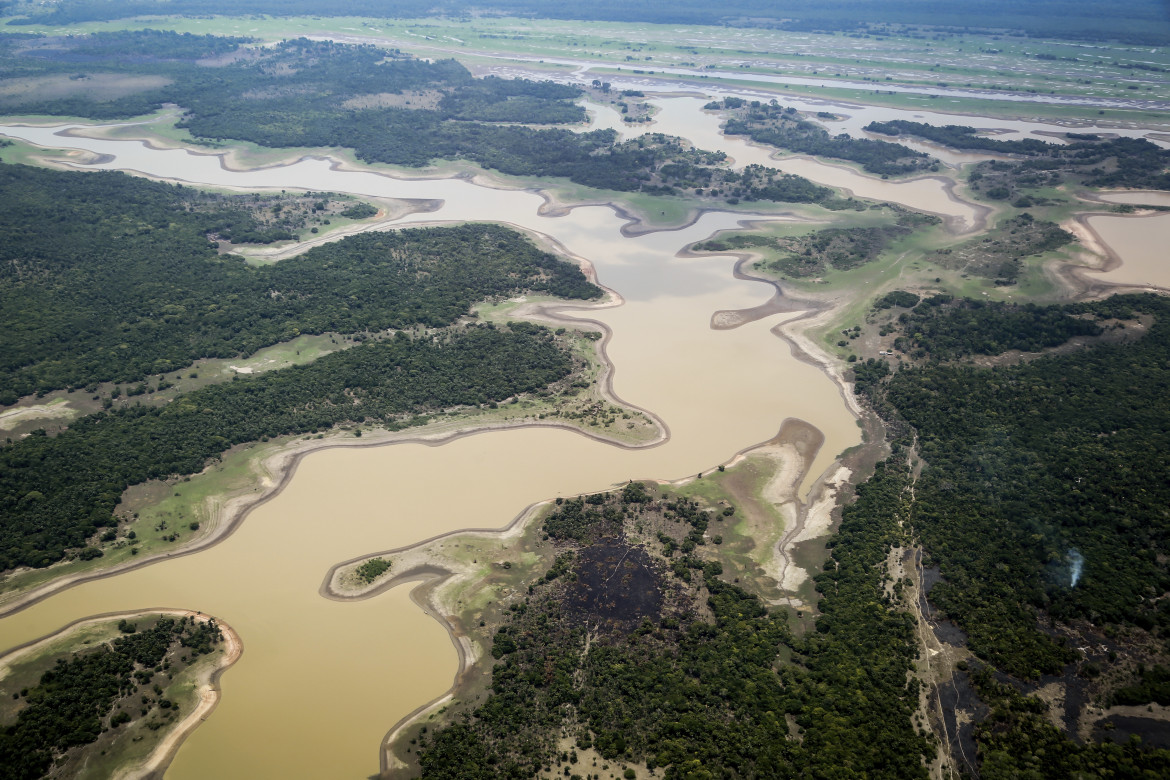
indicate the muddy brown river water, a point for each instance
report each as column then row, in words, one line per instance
column 321, row 681
column 1140, row 243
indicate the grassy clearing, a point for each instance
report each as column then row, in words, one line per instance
column 96, row 86
column 749, row 537
column 56, row 409
column 910, row 263
column 27, row 154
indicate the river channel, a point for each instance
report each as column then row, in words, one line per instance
column 320, row 681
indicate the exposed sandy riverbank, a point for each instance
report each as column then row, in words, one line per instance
column 339, row 160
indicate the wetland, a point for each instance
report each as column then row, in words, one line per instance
column 295, row 508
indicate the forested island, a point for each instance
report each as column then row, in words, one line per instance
column 782, row 127
column 1097, row 162
column 814, row 253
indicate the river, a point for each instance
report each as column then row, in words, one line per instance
column 320, row 681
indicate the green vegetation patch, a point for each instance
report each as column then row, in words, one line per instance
column 100, row 693
column 945, row 328
column 1152, row 685
column 113, row 279
column 372, row 569
column 959, row 137
column 65, row 488
column 387, row 107
column 811, row 255
column 1118, row 162
column 645, row 655
column 906, row 300
column 1041, row 501
column 1018, row 739
column 1045, row 484
column 775, row 125
column 1000, row 255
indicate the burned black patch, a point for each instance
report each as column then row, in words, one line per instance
column 616, row 586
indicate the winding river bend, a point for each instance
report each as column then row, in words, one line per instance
column 320, row 681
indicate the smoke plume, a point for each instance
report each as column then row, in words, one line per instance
column 1076, row 566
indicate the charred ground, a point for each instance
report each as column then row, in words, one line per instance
column 634, row 653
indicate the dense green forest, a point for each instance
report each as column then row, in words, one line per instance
column 775, row 125
column 108, row 277
column 1042, row 500
column 98, row 689
column 657, row 683
column 60, row 490
column 1016, row 481
column 944, row 328
column 113, row 278
column 1144, row 21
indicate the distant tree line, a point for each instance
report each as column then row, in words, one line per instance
column 1143, row 23
column 321, row 94
column 1112, row 162
column 959, row 137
